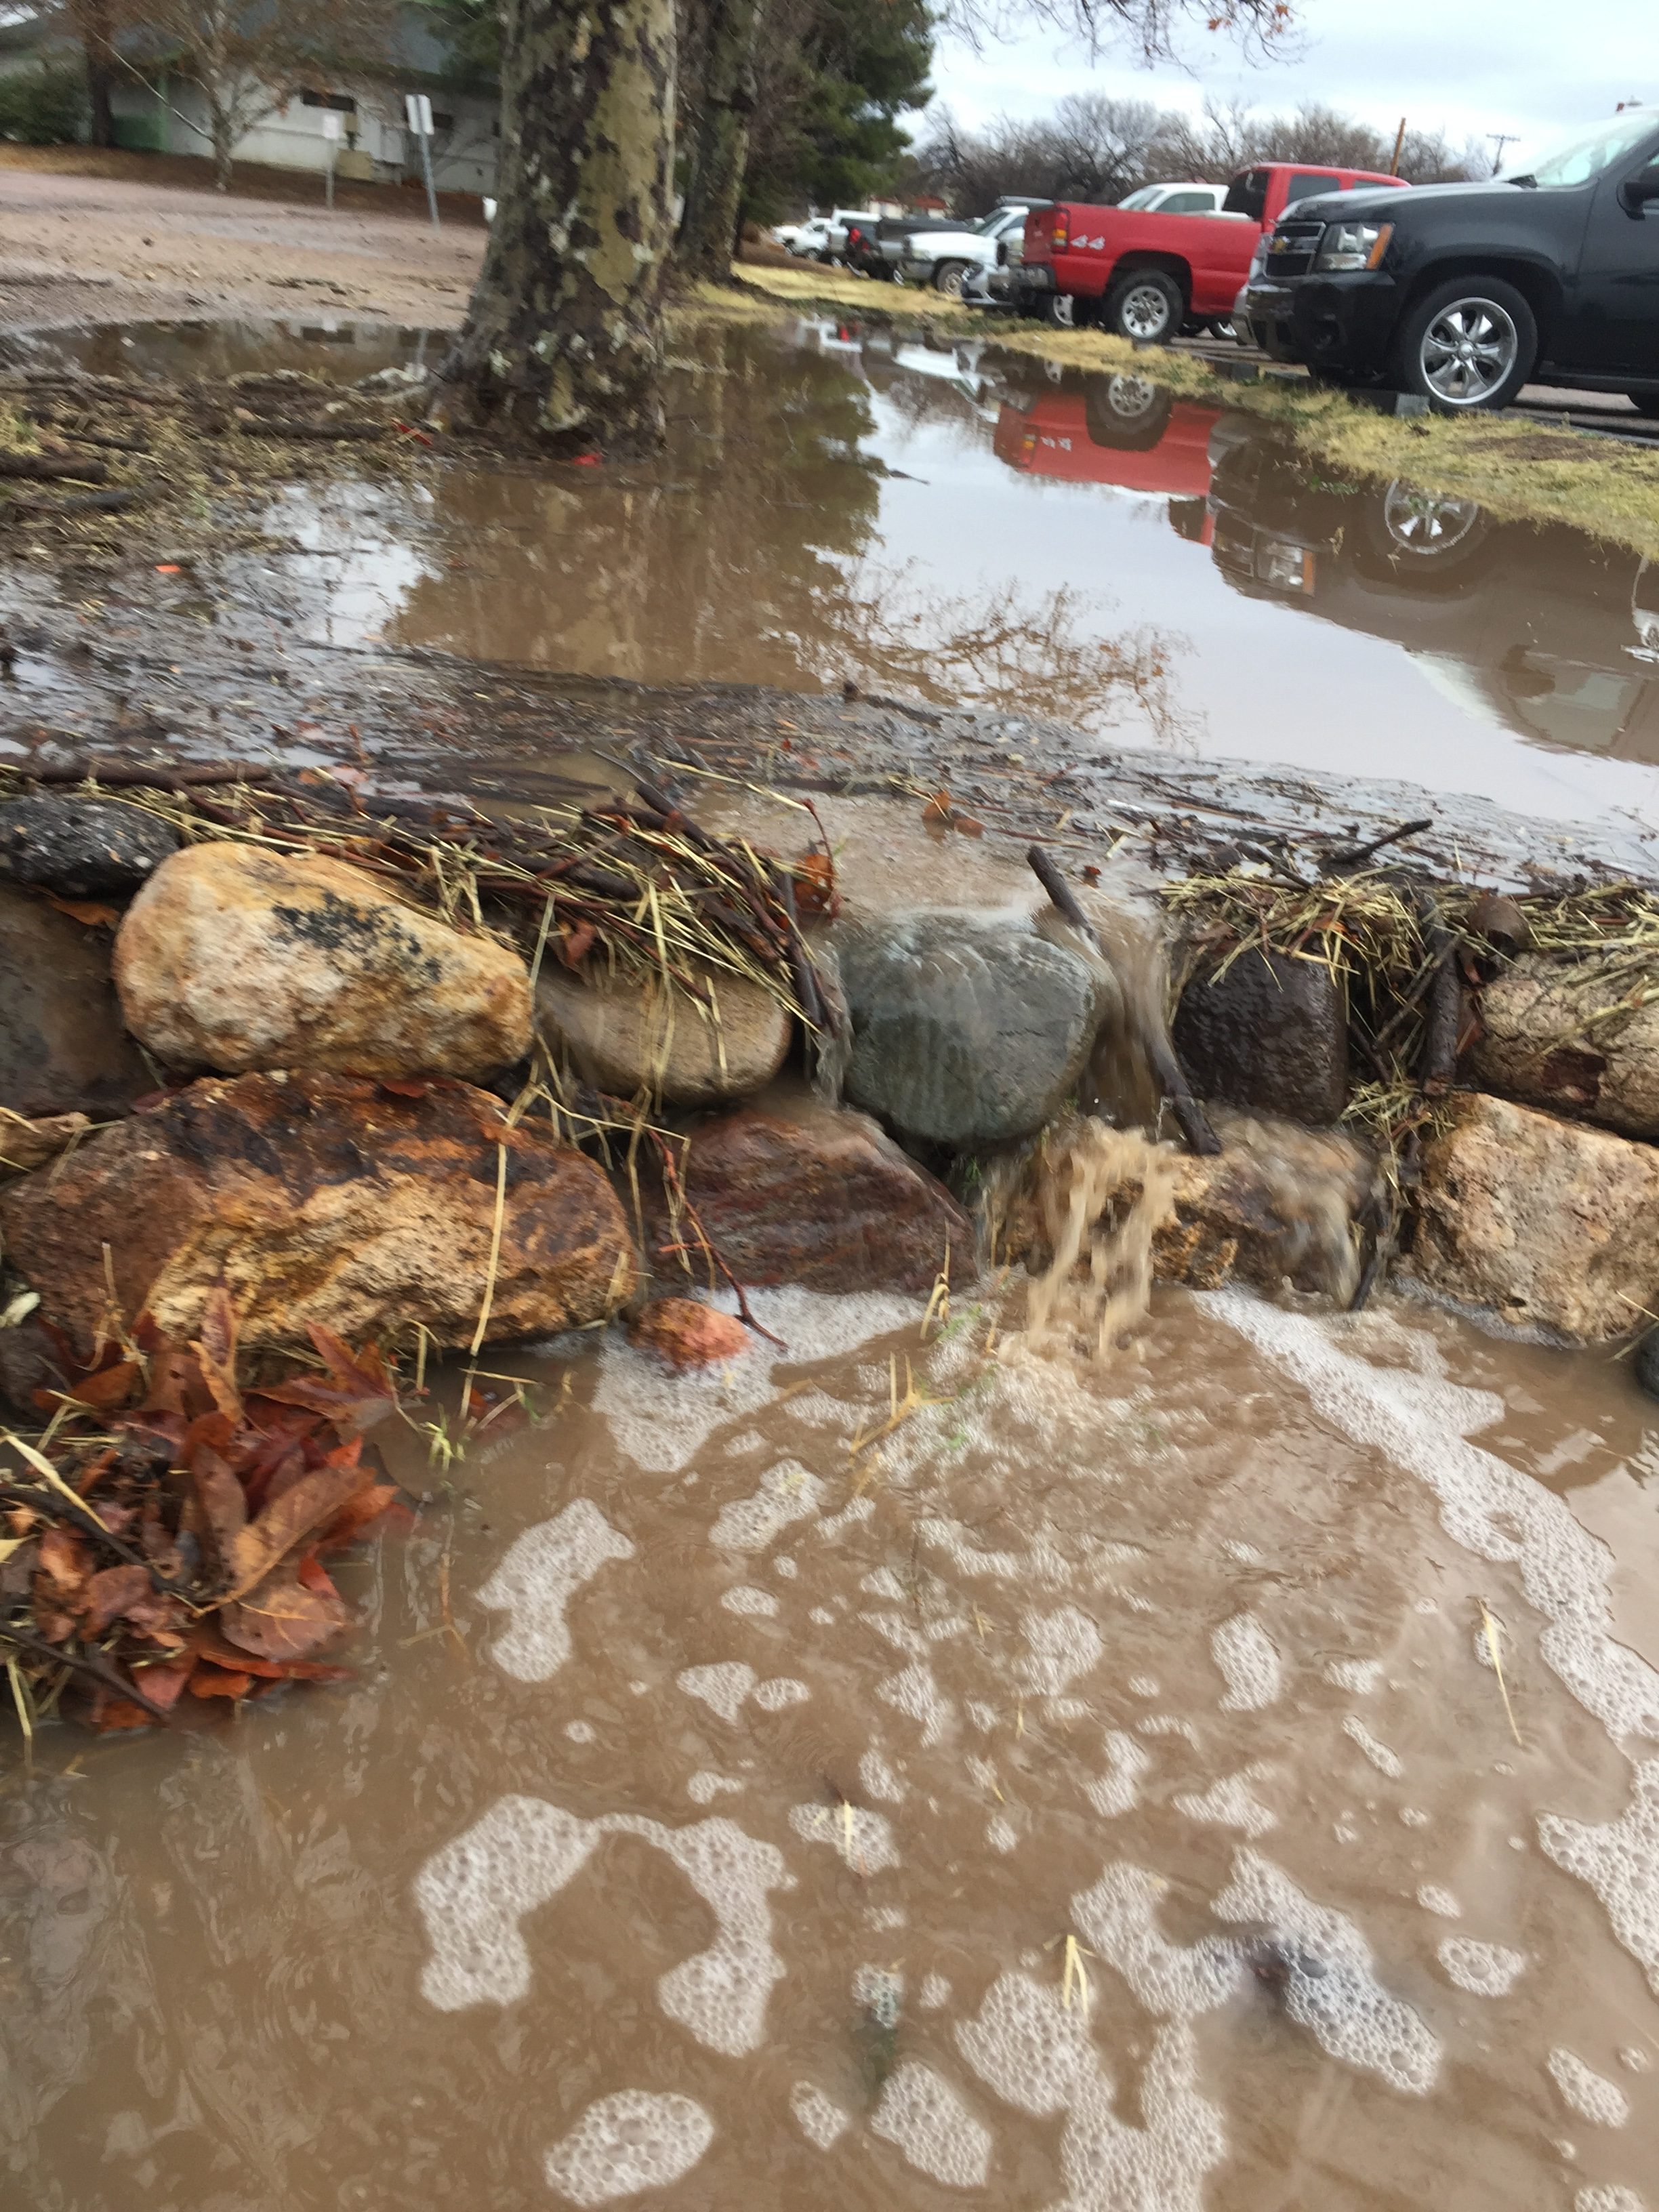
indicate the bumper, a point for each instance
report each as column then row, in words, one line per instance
column 1328, row 322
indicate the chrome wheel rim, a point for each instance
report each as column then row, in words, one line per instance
column 1144, row 313
column 949, row 282
column 1425, row 525
column 1468, row 351
column 1131, row 397
column 1063, row 309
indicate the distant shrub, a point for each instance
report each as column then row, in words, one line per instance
column 43, row 104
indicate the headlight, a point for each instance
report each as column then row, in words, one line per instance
column 1284, row 567
column 1353, row 245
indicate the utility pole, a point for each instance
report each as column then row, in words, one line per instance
column 1499, row 140
column 417, row 109
column 1399, row 147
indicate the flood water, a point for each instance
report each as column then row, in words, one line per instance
column 906, row 1768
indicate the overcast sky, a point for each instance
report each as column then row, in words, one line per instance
column 1466, row 67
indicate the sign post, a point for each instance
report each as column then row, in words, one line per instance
column 331, row 140
column 418, row 108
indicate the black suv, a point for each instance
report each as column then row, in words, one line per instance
column 1463, row 293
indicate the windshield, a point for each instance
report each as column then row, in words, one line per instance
column 1585, row 157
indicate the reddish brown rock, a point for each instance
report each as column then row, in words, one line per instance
column 321, row 1198
column 689, row 1334
column 824, row 1200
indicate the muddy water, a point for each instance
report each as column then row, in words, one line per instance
column 725, row 1778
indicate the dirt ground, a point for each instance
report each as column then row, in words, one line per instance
column 99, row 237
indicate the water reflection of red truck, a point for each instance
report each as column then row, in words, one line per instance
column 1116, row 430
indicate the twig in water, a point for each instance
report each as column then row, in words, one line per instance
column 1490, row 1630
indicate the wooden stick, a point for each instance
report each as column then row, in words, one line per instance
column 37, row 1648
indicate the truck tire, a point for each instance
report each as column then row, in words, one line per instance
column 1146, row 307
column 1645, row 403
column 1467, row 345
column 1067, row 311
column 1130, row 414
column 947, row 279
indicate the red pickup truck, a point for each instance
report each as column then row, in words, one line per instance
column 1149, row 276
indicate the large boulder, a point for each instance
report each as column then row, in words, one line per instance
column 326, row 1198
column 820, row 1198
column 63, row 1050
column 81, row 848
column 967, row 1030
column 1269, row 1032
column 1580, row 1039
column 1278, row 1203
column 235, row 958
column 630, row 1034
column 1549, row 1223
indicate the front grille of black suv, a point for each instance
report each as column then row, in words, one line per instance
column 1292, row 248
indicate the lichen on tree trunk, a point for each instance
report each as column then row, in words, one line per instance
column 720, row 146
column 563, row 334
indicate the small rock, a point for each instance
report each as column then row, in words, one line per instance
column 630, row 1035
column 967, row 1031
column 1278, row 1203
column 63, row 1050
column 1581, row 1039
column 1549, row 1223
column 821, row 1199
column 1647, row 1363
column 235, row 958
column 689, row 1334
column 1271, row 1033
column 81, row 848
column 319, row 1198
column 25, row 1144
column 31, row 1368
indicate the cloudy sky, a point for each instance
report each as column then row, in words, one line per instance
column 1467, row 67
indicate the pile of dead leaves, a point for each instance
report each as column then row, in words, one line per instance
column 166, row 1531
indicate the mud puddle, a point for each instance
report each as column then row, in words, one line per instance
column 317, row 344
column 1088, row 1789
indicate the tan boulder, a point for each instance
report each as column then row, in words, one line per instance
column 319, row 1198
column 1278, row 1203
column 1549, row 1223
column 1579, row 1038
column 234, row 958
column 629, row 1034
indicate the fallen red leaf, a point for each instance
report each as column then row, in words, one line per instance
column 207, row 1645
column 109, row 1387
column 108, row 1595
column 91, row 913
column 219, row 1682
column 215, row 1353
column 938, row 808
column 574, row 943
column 369, row 1503
column 281, row 1619
column 316, row 1498
column 223, row 1507
column 120, row 1713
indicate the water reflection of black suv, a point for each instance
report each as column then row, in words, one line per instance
column 1544, row 632
column 1463, row 293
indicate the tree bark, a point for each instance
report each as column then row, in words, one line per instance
column 563, row 335
column 720, row 153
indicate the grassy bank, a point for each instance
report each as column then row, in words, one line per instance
column 1521, row 471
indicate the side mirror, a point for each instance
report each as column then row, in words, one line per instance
column 1637, row 193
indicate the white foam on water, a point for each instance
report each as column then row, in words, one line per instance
column 935, row 1993
column 864, row 1839
column 1414, row 1816
column 1063, row 1647
column 703, row 1789
column 637, row 2139
column 1609, row 2197
column 934, row 2131
column 1587, row 2093
column 542, row 1572
column 1485, row 1970
column 580, row 1731
column 1248, row 1663
column 878, row 1778
column 1351, row 2015
column 1000, row 1834
column 1422, row 1422
column 1167, row 1724
column 722, row 1688
column 660, row 1416
column 1144, row 1686
column 1230, row 1803
column 884, row 1583
column 474, row 1892
column 985, row 1718
column 786, row 1493
column 1638, row 2060
column 786, row 1566
column 1119, row 1917
column 821, row 1617
column 1359, row 1675
column 917, row 1693
column 1118, row 1791
column 782, row 1691
column 1433, row 1898
column 821, row 2121
column 1384, row 1760
column 746, row 1599
column 1620, row 1864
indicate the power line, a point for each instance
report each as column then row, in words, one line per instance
column 1500, row 139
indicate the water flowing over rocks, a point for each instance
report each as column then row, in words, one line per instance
column 633, row 1035
column 821, row 1199
column 968, row 1029
column 234, row 958
column 1579, row 1040
column 81, row 848
column 1270, row 1031
column 63, row 1050
column 1550, row 1223
column 322, row 1199
column 1276, row 1203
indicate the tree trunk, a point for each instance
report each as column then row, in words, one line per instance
column 94, row 25
column 563, row 333
column 719, row 153
column 224, row 147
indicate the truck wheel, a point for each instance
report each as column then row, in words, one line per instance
column 947, row 279
column 1645, row 403
column 1469, row 343
column 1128, row 413
column 1146, row 307
column 1067, row 311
